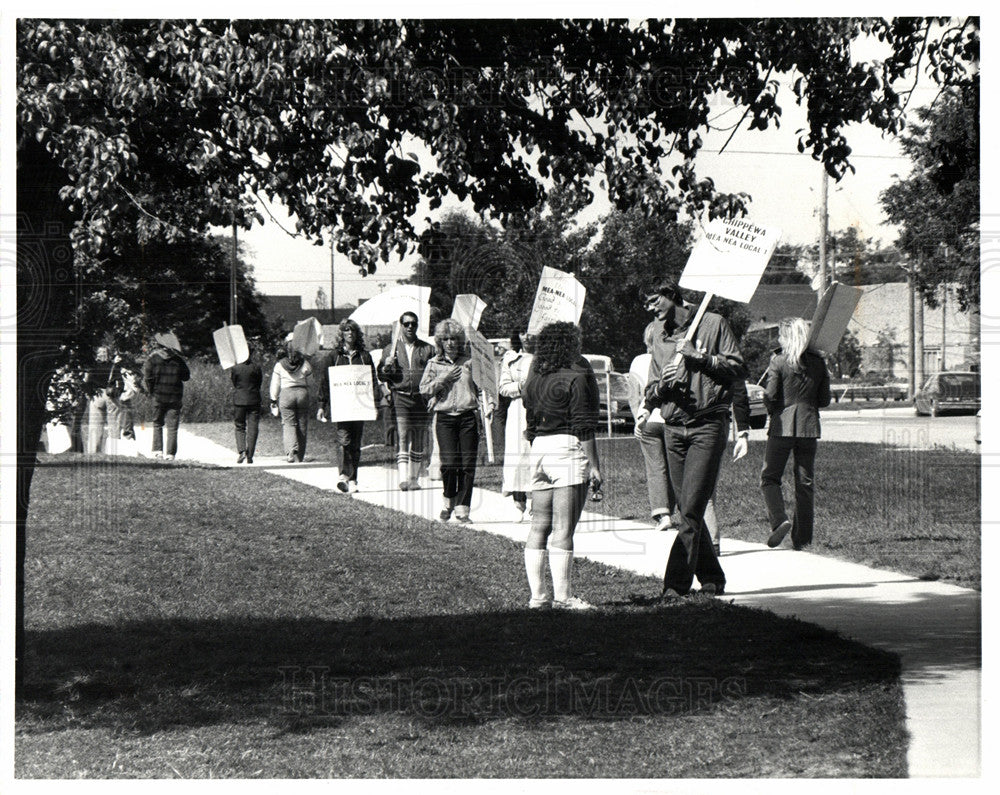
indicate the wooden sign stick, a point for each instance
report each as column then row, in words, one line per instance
column 694, row 324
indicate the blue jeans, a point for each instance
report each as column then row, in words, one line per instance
column 775, row 458
column 694, row 455
column 168, row 414
column 652, row 442
column 294, row 405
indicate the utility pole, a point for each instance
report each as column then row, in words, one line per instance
column 232, row 278
column 332, row 304
column 944, row 325
column 918, row 354
column 912, row 292
column 823, row 231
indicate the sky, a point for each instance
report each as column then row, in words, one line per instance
column 785, row 187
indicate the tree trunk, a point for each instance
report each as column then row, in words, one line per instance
column 46, row 297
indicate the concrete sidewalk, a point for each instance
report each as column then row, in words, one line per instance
column 934, row 627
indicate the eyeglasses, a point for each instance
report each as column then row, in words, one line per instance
column 410, row 324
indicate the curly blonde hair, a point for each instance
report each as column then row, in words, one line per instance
column 449, row 328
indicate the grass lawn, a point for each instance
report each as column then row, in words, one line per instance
column 911, row 511
column 186, row 621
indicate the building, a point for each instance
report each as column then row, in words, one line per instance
column 881, row 323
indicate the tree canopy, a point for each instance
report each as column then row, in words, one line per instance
column 937, row 205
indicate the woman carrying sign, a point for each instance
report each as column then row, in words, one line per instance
column 453, row 396
column 349, row 348
column 797, row 386
column 563, row 411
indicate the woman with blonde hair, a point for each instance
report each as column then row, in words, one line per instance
column 453, row 396
column 797, row 386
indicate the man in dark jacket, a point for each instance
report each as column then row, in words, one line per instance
column 163, row 375
column 247, row 378
column 401, row 368
column 690, row 381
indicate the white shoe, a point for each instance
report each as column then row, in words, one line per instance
column 352, row 486
column 665, row 523
column 540, row 604
column 573, row 603
column 342, row 485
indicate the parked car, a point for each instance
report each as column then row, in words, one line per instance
column 949, row 391
column 615, row 383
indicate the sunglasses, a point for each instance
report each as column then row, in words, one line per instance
column 650, row 302
column 410, row 324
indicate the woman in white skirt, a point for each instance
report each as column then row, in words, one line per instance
column 516, row 447
column 563, row 411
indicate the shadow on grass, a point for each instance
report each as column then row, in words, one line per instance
column 444, row 669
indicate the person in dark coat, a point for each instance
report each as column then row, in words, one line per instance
column 247, row 378
column 797, row 386
column 349, row 349
column 163, row 375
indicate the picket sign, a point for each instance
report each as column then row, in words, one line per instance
column 728, row 260
column 468, row 309
column 559, row 298
column 834, row 311
column 230, row 345
column 352, row 398
column 484, row 373
column 57, row 438
column 307, row 336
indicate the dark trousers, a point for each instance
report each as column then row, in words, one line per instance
column 126, row 423
column 775, row 458
column 247, row 420
column 694, row 454
column 168, row 414
column 349, row 439
column 458, row 443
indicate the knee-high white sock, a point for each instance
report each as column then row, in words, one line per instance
column 534, row 566
column 561, row 566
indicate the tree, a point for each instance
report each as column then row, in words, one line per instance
column 130, row 131
column 847, row 359
column 937, row 206
column 634, row 249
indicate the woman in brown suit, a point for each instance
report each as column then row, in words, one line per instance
column 797, row 386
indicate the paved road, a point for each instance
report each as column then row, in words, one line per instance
column 898, row 427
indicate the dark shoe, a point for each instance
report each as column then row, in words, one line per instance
column 670, row 593
column 779, row 533
column 718, row 549
column 249, row 459
column 242, row 457
column 404, row 485
column 445, row 514
column 713, row 589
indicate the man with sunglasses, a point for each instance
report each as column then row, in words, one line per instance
column 401, row 368
column 691, row 382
